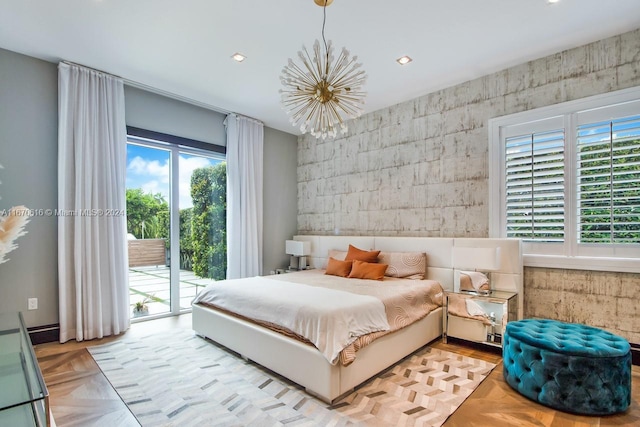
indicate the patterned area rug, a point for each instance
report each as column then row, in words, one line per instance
column 179, row 379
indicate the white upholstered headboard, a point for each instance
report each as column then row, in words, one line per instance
column 440, row 259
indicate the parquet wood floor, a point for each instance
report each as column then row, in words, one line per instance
column 80, row 395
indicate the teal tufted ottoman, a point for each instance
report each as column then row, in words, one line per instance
column 567, row 366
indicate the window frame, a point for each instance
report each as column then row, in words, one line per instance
column 607, row 257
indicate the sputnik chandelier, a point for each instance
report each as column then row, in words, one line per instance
column 321, row 94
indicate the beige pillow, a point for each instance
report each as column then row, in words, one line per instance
column 338, row 268
column 407, row 265
column 367, row 270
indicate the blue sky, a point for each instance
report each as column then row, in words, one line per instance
column 148, row 168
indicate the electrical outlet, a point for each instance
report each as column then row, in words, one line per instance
column 33, row 303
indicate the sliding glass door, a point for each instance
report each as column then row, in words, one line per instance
column 148, row 189
column 176, row 224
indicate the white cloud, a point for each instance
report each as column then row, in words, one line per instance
column 137, row 165
column 153, row 168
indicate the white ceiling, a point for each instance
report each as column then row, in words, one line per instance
column 184, row 47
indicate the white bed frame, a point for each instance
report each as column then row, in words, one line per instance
column 305, row 365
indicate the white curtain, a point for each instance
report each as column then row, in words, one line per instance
column 245, row 141
column 92, row 251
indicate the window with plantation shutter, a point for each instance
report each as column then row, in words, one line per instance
column 608, row 186
column 534, row 186
column 566, row 180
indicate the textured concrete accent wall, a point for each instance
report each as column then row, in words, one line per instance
column 601, row 299
column 420, row 168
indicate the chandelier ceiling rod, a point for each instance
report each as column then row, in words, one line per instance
column 322, row 94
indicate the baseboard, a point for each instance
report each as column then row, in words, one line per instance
column 44, row 334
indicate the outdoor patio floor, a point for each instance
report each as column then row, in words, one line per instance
column 153, row 283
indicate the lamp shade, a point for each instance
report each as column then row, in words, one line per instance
column 487, row 259
column 297, row 248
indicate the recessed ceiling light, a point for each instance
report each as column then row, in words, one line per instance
column 404, row 60
column 238, row 57
column 552, row 1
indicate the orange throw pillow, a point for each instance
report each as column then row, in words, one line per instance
column 367, row 270
column 336, row 267
column 358, row 254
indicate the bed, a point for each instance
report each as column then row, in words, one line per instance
column 305, row 364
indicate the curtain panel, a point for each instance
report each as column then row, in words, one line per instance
column 92, row 251
column 245, row 147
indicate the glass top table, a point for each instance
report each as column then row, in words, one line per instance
column 24, row 399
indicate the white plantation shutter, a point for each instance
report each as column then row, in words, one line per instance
column 608, row 184
column 566, row 180
column 534, row 186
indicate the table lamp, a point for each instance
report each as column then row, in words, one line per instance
column 298, row 251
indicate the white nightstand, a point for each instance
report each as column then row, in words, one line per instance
column 500, row 307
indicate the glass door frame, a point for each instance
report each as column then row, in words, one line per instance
column 174, row 145
column 174, row 230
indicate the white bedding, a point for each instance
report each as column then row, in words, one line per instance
column 331, row 319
